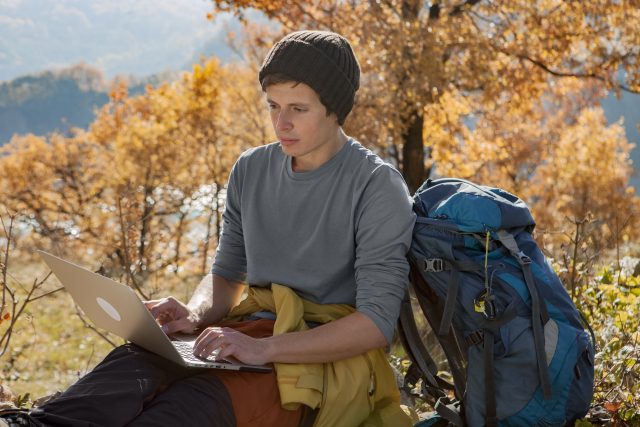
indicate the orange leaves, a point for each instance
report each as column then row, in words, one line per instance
column 6, row 316
column 507, row 90
column 587, row 173
column 132, row 189
column 269, row 7
column 612, row 407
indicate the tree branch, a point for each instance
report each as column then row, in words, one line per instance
column 458, row 9
column 127, row 263
column 46, row 294
column 93, row 328
column 556, row 73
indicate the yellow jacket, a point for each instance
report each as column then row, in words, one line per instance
column 359, row 391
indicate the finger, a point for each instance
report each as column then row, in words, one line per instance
column 163, row 318
column 210, row 343
column 178, row 325
column 163, row 307
column 228, row 353
column 212, row 347
column 228, row 357
column 207, row 345
column 150, row 303
column 207, row 335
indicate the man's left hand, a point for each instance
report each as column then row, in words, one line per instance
column 232, row 345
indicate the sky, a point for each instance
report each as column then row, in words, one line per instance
column 138, row 37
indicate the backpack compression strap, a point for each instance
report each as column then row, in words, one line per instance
column 436, row 265
column 539, row 314
column 419, row 354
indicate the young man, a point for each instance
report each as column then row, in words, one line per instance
column 317, row 225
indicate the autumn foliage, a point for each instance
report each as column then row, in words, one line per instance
column 503, row 93
column 141, row 190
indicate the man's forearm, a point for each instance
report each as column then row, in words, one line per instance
column 352, row 335
column 213, row 298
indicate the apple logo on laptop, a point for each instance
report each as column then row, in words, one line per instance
column 108, row 308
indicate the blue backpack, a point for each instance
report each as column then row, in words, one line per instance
column 514, row 341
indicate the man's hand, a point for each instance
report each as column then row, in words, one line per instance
column 233, row 346
column 172, row 315
column 347, row 337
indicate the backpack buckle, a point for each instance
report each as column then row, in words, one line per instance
column 434, row 265
column 524, row 258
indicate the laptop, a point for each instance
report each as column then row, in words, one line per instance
column 117, row 309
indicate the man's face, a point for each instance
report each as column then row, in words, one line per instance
column 302, row 125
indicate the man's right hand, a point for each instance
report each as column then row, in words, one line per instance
column 173, row 315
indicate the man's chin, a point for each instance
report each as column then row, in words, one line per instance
column 289, row 150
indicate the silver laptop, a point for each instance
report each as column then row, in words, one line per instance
column 117, row 309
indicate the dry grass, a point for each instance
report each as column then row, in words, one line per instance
column 50, row 347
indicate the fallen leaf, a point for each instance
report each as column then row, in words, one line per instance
column 612, row 406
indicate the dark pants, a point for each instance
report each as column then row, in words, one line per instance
column 132, row 386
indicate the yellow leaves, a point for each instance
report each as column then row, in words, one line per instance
column 133, row 182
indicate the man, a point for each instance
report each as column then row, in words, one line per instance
column 313, row 220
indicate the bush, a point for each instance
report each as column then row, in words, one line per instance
column 611, row 304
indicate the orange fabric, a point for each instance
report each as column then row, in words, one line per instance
column 255, row 396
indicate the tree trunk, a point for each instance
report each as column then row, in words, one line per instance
column 412, row 149
column 413, row 152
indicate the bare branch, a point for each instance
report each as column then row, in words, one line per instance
column 4, row 265
column 93, row 328
column 127, row 263
column 46, row 294
column 557, row 73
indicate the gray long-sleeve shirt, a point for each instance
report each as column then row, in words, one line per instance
column 337, row 234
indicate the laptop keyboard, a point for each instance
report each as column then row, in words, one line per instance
column 186, row 351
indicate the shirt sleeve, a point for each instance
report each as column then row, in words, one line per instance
column 231, row 261
column 385, row 221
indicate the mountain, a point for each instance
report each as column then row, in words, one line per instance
column 58, row 100
column 50, row 101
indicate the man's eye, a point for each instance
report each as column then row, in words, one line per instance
column 299, row 110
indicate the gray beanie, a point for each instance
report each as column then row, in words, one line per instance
column 322, row 60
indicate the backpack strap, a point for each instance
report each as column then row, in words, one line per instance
column 436, row 265
column 432, row 308
column 450, row 412
column 489, row 382
column 539, row 314
column 419, row 353
column 450, row 302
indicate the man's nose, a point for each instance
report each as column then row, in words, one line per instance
column 284, row 121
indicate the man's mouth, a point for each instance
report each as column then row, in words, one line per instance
column 288, row 141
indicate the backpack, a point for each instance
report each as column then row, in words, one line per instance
column 514, row 341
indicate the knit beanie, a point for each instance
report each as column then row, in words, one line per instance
column 322, row 60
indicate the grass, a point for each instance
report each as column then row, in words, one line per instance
column 50, row 347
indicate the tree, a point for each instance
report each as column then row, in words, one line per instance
column 459, row 87
column 141, row 190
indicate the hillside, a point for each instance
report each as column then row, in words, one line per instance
column 57, row 100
